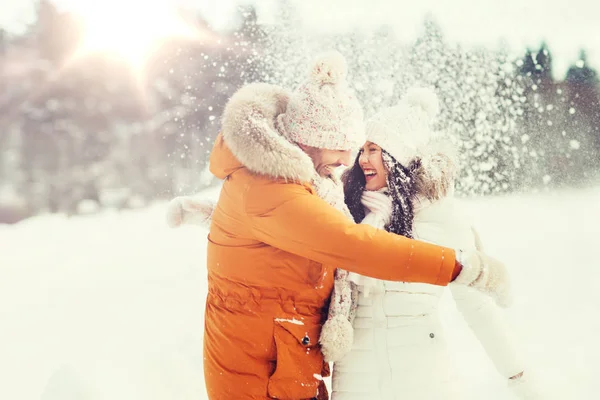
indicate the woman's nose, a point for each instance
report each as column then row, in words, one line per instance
column 363, row 159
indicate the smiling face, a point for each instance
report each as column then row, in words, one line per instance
column 371, row 163
column 326, row 161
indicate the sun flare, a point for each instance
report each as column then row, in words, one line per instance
column 130, row 29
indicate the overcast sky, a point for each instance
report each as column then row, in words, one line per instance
column 567, row 25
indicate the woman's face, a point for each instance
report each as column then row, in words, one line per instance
column 371, row 163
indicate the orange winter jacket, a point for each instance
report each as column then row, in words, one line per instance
column 273, row 247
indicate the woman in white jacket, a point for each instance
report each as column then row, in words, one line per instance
column 388, row 343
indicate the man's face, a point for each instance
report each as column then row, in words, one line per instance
column 326, row 161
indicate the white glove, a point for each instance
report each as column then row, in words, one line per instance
column 486, row 274
column 380, row 206
column 190, row 210
column 525, row 388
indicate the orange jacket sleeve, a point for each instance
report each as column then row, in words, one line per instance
column 289, row 217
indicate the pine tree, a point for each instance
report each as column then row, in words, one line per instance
column 583, row 98
column 543, row 65
column 527, row 66
column 543, row 126
column 581, row 72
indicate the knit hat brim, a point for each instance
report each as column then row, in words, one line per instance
column 323, row 112
column 405, row 128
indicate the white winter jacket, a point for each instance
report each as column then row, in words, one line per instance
column 399, row 350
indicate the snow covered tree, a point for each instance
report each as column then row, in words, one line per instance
column 248, row 46
column 558, row 140
column 543, row 141
column 479, row 97
column 286, row 51
column 583, row 99
column 543, row 65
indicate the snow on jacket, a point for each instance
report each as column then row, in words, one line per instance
column 272, row 249
column 400, row 351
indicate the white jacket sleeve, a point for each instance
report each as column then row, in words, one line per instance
column 487, row 321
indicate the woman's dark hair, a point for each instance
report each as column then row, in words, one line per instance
column 401, row 190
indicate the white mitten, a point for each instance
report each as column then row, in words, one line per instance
column 486, row 274
column 525, row 388
column 190, row 210
column 380, row 206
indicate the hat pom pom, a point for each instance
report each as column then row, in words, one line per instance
column 329, row 68
column 337, row 336
column 424, row 98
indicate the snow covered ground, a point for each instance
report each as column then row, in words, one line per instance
column 110, row 306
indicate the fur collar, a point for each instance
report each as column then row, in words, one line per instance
column 249, row 130
column 436, row 170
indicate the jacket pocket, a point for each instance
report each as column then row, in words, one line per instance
column 299, row 363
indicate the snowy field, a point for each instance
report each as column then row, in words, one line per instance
column 110, row 306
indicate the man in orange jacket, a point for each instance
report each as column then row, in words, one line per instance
column 277, row 234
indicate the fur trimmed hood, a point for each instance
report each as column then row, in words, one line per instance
column 249, row 130
column 435, row 169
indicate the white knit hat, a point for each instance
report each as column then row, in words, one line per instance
column 323, row 112
column 404, row 129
